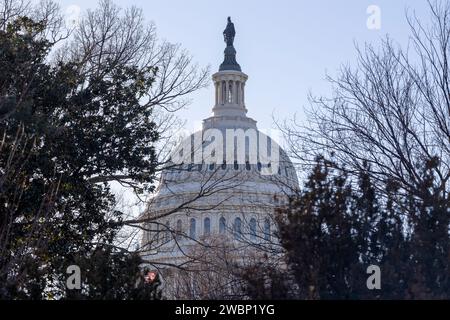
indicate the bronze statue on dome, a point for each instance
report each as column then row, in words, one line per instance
column 229, row 33
column 229, row 62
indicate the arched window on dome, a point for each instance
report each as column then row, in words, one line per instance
column 259, row 166
column 147, row 235
column 192, row 226
column 224, row 165
column 179, row 229
column 167, row 232
column 247, row 166
column 276, row 200
column 157, row 232
column 267, row 229
column 253, row 229
column 230, row 92
column 237, row 228
column 206, row 226
column 222, row 225
column 236, row 165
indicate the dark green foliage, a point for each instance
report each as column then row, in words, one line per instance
column 333, row 231
column 264, row 281
column 113, row 276
column 63, row 133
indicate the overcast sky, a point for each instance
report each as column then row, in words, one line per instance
column 286, row 47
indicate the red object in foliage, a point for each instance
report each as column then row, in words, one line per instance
column 150, row 277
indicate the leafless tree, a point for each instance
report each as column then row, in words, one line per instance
column 12, row 9
column 13, row 181
column 106, row 36
column 389, row 115
column 201, row 272
column 111, row 36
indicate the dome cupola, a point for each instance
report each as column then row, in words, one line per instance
column 229, row 83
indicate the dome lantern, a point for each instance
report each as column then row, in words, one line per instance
column 229, row 85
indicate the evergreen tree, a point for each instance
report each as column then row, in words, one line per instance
column 68, row 126
column 332, row 232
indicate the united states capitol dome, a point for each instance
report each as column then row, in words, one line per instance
column 223, row 181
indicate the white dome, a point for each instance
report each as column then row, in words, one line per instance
column 244, row 181
column 234, row 195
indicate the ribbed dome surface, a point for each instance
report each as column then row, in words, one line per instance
column 236, row 177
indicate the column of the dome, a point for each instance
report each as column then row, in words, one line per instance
column 229, row 107
column 221, row 92
column 236, row 91
column 216, row 87
column 225, row 92
column 229, row 93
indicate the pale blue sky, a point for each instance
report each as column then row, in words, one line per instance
column 286, row 47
